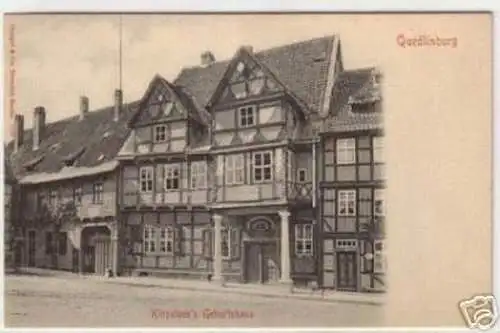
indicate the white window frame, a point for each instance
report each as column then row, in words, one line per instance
column 146, row 177
column 166, row 240
column 245, row 113
column 302, row 171
column 378, row 195
column 97, row 196
column 158, row 239
column 172, row 172
column 262, row 167
column 234, row 169
column 346, row 150
column 149, row 239
column 302, row 239
column 344, row 198
column 159, row 137
column 379, row 259
column 226, row 242
column 198, row 175
column 378, row 149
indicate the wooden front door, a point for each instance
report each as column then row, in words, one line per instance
column 102, row 256
column 261, row 265
column 31, row 247
column 346, row 271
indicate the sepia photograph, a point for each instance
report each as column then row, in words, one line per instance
column 244, row 170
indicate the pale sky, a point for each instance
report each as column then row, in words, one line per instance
column 60, row 57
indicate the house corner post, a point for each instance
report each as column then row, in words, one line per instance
column 285, row 248
column 217, row 256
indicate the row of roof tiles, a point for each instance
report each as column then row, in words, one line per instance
column 302, row 68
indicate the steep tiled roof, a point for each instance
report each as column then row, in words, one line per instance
column 353, row 86
column 302, row 67
column 91, row 142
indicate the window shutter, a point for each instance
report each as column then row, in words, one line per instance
column 235, row 243
column 178, row 239
column 159, row 178
column 207, row 243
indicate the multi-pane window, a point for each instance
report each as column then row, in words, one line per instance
column 159, row 240
column 166, row 240
column 247, row 116
column 262, row 167
column 347, row 203
column 160, row 133
column 378, row 149
column 225, row 243
column 235, row 169
column 146, row 179
column 77, row 195
column 53, row 194
column 303, row 239
column 149, row 239
column 302, row 175
column 198, row 175
column 378, row 203
column 378, row 257
column 172, row 177
column 346, row 151
column 97, row 193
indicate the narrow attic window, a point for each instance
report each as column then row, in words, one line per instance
column 100, row 158
column 71, row 158
column 106, row 134
column 30, row 165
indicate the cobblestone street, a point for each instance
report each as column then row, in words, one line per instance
column 73, row 301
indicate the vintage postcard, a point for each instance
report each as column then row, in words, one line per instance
column 248, row 170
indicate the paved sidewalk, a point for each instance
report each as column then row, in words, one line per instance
column 273, row 290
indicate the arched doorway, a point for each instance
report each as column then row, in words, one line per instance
column 96, row 248
column 261, row 251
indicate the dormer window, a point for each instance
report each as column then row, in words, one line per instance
column 247, row 116
column 160, row 133
column 72, row 158
column 31, row 165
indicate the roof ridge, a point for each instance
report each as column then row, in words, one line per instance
column 257, row 53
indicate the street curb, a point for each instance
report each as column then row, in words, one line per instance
column 253, row 293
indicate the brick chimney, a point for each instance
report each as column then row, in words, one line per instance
column 38, row 126
column 84, row 106
column 18, row 131
column 118, row 104
column 207, row 58
column 248, row 48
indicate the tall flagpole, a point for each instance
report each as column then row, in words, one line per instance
column 120, row 60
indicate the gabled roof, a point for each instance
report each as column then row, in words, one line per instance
column 301, row 67
column 194, row 110
column 353, row 86
column 90, row 142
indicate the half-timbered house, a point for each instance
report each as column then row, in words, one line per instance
column 67, row 172
column 219, row 174
column 352, row 185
